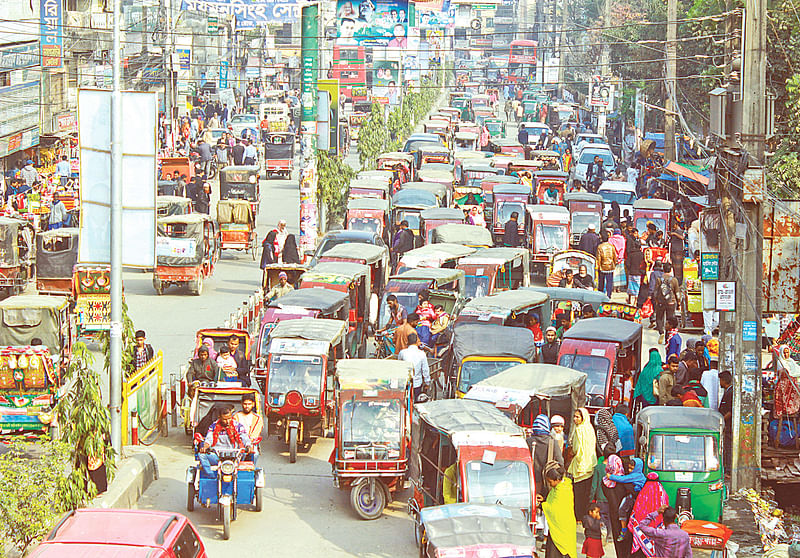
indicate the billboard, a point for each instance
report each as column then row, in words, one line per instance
column 50, row 16
column 250, row 14
column 386, row 82
column 372, row 22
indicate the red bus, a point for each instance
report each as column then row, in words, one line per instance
column 350, row 68
column 522, row 52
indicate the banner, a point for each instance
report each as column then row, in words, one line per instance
column 386, row 82
column 372, row 22
column 248, row 13
column 50, row 29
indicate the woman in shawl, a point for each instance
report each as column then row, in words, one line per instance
column 208, row 342
column 643, row 395
column 544, row 449
column 607, row 435
column 614, row 493
column 650, row 499
column 562, row 540
column 290, row 253
column 268, row 249
column 582, row 448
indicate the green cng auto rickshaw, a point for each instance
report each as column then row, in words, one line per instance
column 684, row 446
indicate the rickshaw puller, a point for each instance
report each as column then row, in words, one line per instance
column 225, row 433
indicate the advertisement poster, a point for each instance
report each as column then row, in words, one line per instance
column 372, row 22
column 386, row 82
column 429, row 17
column 410, row 57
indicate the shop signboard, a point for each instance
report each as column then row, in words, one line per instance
column 709, row 266
column 50, row 31
column 372, row 22
column 726, row 296
column 19, row 56
column 184, row 58
column 248, row 15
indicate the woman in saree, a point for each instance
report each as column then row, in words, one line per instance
column 650, row 499
column 643, row 395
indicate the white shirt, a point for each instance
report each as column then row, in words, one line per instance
column 250, row 151
column 63, row 168
column 710, row 381
column 414, row 355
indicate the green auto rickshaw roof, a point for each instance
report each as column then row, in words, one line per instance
column 680, row 418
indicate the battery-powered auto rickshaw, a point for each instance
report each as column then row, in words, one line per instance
column 468, row 451
column 30, row 376
column 279, row 153
column 445, row 286
column 407, row 205
column 468, row 235
column 430, row 153
column 585, row 208
column 351, row 278
column 442, row 191
column 301, row 365
column 237, row 226
column 546, row 160
column 549, row 234
column 492, row 270
column 373, row 405
column 368, row 188
column 572, row 260
column 400, row 163
column 473, row 530
column 56, row 255
column 367, row 214
column 466, row 141
column 549, row 186
column 374, row 256
column 439, row 128
column 653, row 211
column 609, row 351
column 431, row 218
column 525, row 391
column 504, row 308
column 508, row 199
column 469, row 127
column 386, row 176
column 187, row 250
column 356, row 120
column 240, row 183
column 453, row 113
column 17, row 254
column 506, row 147
column 482, row 350
column 481, row 115
column 684, row 446
column 442, row 255
column 271, row 274
column 172, row 205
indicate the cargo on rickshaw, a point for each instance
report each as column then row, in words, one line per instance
column 450, row 440
column 31, row 375
column 548, row 234
column 475, row 531
column 492, row 270
column 241, row 183
column 443, row 255
column 301, row 367
column 17, row 255
column 609, row 352
column 585, row 208
column 166, row 206
column 351, row 278
column 707, row 538
column 374, row 256
column 400, row 163
column 684, row 446
column 187, row 250
column 367, row 214
column 482, row 350
column 525, row 391
column 369, row 188
column 550, row 186
column 466, row 141
column 370, row 456
column 508, row 199
column 279, row 153
column 468, row 235
column 56, row 255
column 237, row 226
column 435, row 216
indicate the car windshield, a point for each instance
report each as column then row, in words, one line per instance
column 494, row 127
column 622, row 198
column 506, row 482
column 364, row 224
column 409, row 301
column 244, row 119
column 412, row 218
column 476, row 285
column 473, row 371
column 505, row 209
column 595, row 367
column 293, row 372
column 641, row 224
column 680, row 452
column 551, row 238
column 589, row 155
column 374, row 421
column 581, row 222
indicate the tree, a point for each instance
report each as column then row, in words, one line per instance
column 128, row 345
column 372, row 137
column 334, row 176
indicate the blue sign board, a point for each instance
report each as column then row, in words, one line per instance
column 50, row 31
column 223, row 74
column 749, row 330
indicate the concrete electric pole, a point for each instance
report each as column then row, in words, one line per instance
column 672, row 80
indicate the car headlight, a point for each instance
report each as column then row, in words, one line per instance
column 227, row 467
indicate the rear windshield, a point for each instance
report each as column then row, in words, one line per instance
column 588, row 156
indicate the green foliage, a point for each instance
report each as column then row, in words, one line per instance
column 372, row 137
column 334, row 176
column 33, row 478
column 128, row 345
column 85, row 426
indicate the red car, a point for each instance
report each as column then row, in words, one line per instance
column 122, row 534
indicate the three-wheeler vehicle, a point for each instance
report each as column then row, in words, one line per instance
column 491, row 270
column 659, row 212
column 466, row 141
column 240, row 183
column 369, row 188
column 445, row 286
column 301, row 366
column 237, row 226
column 474, row 530
column 469, row 127
column 573, row 260
column 440, row 128
column 373, row 431
column 205, row 400
column 468, row 235
column 707, row 538
column 374, row 256
column 506, row 147
column 271, row 274
column 407, row 205
column 525, row 391
column 549, row 234
column 279, row 153
column 56, row 255
column 171, row 164
column 356, row 120
column 496, row 127
column 585, row 208
column 400, row 163
column 568, row 301
column 17, row 254
column 431, row 218
column 431, row 153
column 684, row 446
column 549, row 186
column 367, row 214
column 451, row 112
column 474, row 171
column 442, row 255
column 482, row 350
column 91, row 291
column 187, row 250
column 386, row 176
column 508, row 199
column 439, row 189
column 352, row 278
column 609, row 351
column 547, row 161
column 172, row 205
column 468, row 451
column 236, row 481
column 507, row 308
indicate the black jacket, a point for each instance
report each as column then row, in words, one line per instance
column 237, row 152
column 539, row 446
column 242, row 367
column 591, row 527
column 511, row 233
column 549, row 352
column 589, row 242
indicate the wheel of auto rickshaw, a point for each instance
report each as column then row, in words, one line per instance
column 292, row 445
column 259, row 498
column 190, row 498
column 226, row 522
column 158, row 286
column 197, row 288
column 368, row 502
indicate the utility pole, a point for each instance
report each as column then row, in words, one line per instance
column 562, row 47
column 169, row 90
column 605, row 65
column 672, row 80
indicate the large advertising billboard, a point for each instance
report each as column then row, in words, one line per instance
column 386, row 84
column 372, row 22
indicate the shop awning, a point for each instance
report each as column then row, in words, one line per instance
column 688, row 171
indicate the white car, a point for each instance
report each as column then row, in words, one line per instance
column 586, row 156
column 535, row 130
column 624, row 193
column 588, row 137
column 241, row 121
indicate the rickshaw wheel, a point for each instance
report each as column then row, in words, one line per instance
column 292, row 445
column 366, row 507
column 190, row 498
column 197, row 285
column 226, row 522
column 259, row 499
column 158, row 286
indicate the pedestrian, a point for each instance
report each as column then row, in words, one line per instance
column 268, row 250
column 614, row 494
column 688, row 360
column 700, row 351
column 624, row 430
column 250, row 152
column 595, row 174
column 221, row 153
column 634, row 266
column 664, row 291
column 403, row 240
column 544, row 449
column 237, row 153
column 677, row 251
column 633, row 480
column 673, row 338
column 606, row 263
column 710, row 382
column 606, row 432
column 619, row 242
column 694, row 384
column 669, row 540
column 142, row 351
column 29, row 174
column 643, row 395
column 290, row 254
column 203, row 150
column 582, row 458
column 548, row 354
column 557, row 430
column 666, row 381
column 402, row 333
column 592, row 532
column 562, row 540
column 202, row 199
column 421, row 377
column 511, row 231
column 726, row 410
column 63, row 171
column 651, row 497
column 58, row 214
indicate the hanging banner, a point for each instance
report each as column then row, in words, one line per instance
column 52, row 43
column 309, row 51
column 250, row 13
column 372, row 22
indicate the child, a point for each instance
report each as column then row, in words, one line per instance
column 227, row 365
column 557, row 430
column 633, row 481
column 592, row 544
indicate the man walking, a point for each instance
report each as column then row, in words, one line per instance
column 421, row 378
column 589, row 241
column 726, row 410
column 664, row 291
column 511, row 231
column 606, row 263
column 63, row 170
column 237, row 152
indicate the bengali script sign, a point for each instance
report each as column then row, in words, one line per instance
column 248, row 13
column 50, row 18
